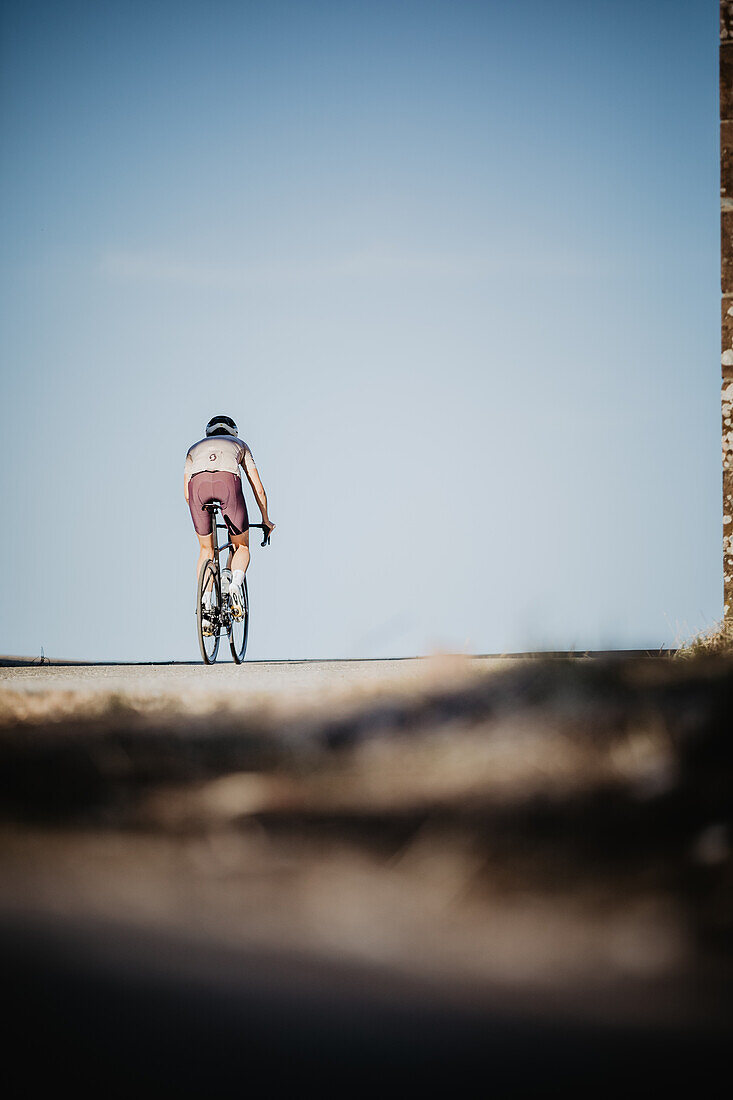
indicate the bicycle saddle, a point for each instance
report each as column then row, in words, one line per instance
column 212, row 504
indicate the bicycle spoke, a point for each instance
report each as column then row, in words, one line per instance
column 211, row 615
column 239, row 630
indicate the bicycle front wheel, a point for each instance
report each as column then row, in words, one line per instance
column 208, row 619
column 240, row 630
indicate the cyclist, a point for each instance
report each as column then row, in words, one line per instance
column 212, row 473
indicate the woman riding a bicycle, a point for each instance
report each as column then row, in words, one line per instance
column 212, row 472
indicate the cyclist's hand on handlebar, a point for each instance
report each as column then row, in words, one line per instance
column 271, row 527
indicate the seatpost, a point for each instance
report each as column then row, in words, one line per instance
column 214, row 536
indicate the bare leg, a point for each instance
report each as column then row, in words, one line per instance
column 206, row 552
column 240, row 558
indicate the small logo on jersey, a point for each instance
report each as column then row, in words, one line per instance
column 212, row 458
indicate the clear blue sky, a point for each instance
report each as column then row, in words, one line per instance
column 454, row 268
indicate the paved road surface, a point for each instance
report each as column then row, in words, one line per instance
column 275, row 679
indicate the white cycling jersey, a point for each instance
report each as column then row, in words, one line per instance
column 222, row 453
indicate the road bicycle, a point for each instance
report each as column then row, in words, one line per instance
column 217, row 617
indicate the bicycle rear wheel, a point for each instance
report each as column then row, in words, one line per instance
column 209, row 643
column 240, row 630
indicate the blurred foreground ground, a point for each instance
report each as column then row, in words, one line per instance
column 374, row 867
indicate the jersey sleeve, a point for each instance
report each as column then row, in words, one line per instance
column 247, row 461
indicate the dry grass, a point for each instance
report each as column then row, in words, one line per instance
column 717, row 639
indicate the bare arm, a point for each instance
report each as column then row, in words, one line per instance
column 187, row 476
column 253, row 477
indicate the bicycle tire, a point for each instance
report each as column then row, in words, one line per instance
column 238, row 642
column 211, row 640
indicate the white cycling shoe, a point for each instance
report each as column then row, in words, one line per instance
column 236, row 601
column 208, row 628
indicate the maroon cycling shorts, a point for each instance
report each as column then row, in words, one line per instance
column 217, row 486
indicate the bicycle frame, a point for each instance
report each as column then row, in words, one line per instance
column 214, row 510
column 227, row 620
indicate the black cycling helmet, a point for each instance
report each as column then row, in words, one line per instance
column 221, row 425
